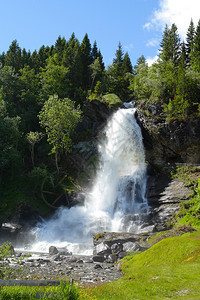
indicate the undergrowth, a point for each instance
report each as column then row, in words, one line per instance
column 189, row 210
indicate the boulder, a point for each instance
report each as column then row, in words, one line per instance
column 130, row 246
column 98, row 258
column 53, row 250
column 116, row 248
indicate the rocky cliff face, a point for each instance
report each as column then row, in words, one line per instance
column 170, row 142
column 167, row 144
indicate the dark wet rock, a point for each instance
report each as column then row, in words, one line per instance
column 116, row 248
column 79, row 261
column 174, row 141
column 53, row 250
column 98, row 258
column 105, row 252
column 97, row 266
column 72, row 260
column 112, row 258
column 164, row 197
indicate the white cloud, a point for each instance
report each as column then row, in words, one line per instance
column 147, row 26
column 128, row 47
column 151, row 60
column 152, row 43
column 179, row 12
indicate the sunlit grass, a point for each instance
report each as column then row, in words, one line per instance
column 169, row 269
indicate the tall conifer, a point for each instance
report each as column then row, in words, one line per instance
column 190, row 41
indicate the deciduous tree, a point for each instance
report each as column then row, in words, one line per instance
column 59, row 117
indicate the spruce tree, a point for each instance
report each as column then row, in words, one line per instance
column 118, row 61
column 195, row 54
column 59, row 47
column 13, row 56
column 86, row 60
column 43, row 54
column 72, row 61
column 164, row 51
column 126, row 65
column 170, row 45
column 99, row 55
column 190, row 41
column 94, row 52
column 175, row 44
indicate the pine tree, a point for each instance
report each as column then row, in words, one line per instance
column 72, row 61
column 94, row 52
column 174, row 44
column 86, row 60
column 13, row 56
column 25, row 57
column 190, row 41
column 118, row 61
column 2, row 59
column 59, row 47
column 170, row 45
column 181, row 80
column 43, row 54
column 164, row 51
column 99, row 55
column 195, row 54
column 126, row 65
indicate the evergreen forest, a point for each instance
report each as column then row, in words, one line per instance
column 44, row 96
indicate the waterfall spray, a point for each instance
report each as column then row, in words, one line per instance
column 117, row 199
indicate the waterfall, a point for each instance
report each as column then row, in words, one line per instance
column 117, row 199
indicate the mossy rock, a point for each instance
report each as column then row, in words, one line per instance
column 112, row 100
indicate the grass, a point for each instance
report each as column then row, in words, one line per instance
column 65, row 291
column 169, row 269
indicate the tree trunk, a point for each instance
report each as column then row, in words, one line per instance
column 56, row 161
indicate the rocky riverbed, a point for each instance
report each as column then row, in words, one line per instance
column 101, row 267
column 80, row 268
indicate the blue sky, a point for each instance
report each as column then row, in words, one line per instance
column 137, row 24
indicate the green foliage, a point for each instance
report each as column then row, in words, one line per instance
column 10, row 156
column 59, row 117
column 112, row 100
column 170, row 45
column 176, row 108
column 96, row 71
column 54, row 78
column 33, row 138
column 7, row 256
column 118, row 79
column 188, row 174
column 140, row 84
column 189, row 210
column 66, row 291
column 189, row 42
column 86, row 59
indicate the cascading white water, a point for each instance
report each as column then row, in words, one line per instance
column 117, row 199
